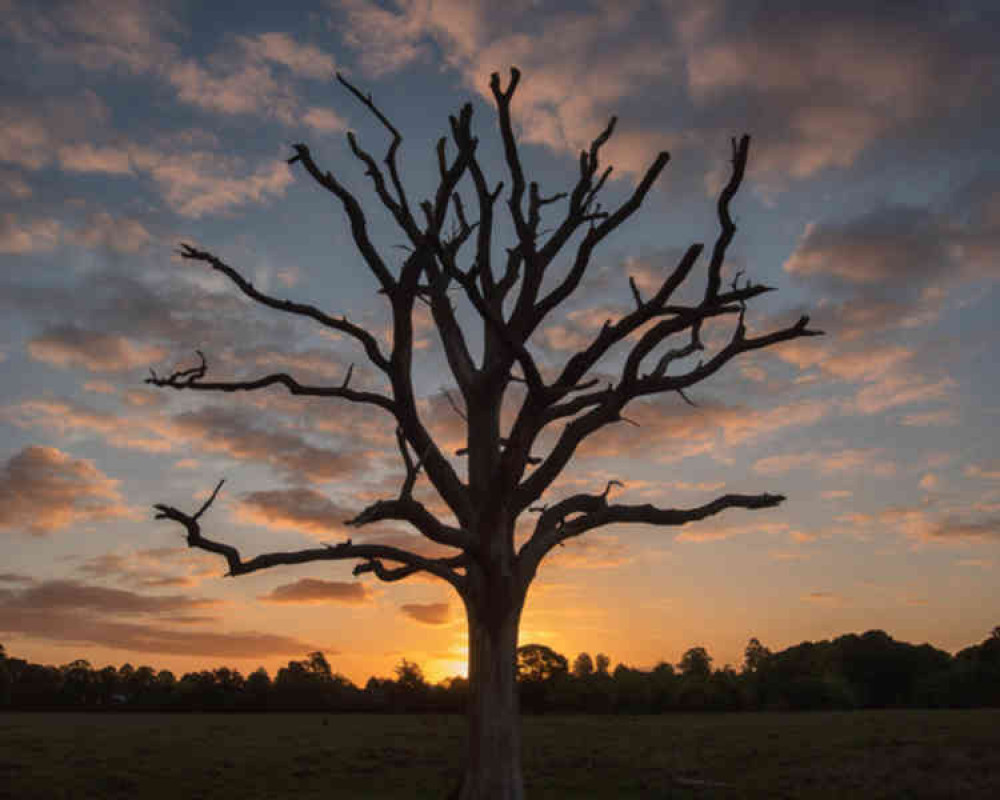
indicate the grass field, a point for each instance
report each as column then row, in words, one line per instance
column 879, row 754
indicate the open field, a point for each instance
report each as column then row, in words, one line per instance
column 888, row 754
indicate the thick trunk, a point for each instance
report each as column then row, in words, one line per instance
column 493, row 765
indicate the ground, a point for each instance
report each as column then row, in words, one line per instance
column 877, row 754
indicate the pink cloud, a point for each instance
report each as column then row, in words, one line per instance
column 827, row 599
column 428, row 613
column 304, row 510
column 43, row 489
column 30, row 236
column 304, row 60
column 311, row 591
column 324, row 120
column 86, row 157
column 13, row 185
column 68, row 346
column 867, row 461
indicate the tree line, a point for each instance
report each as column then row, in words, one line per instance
column 869, row 670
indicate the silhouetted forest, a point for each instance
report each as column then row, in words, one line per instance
column 871, row 670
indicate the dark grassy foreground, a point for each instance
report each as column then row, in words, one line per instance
column 890, row 754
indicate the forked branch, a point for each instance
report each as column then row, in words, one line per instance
column 347, row 550
column 192, row 379
column 301, row 309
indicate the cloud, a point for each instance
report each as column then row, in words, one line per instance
column 236, row 433
column 58, row 595
column 595, row 550
column 428, row 613
column 670, row 430
column 965, row 528
column 13, row 185
column 43, row 489
column 33, row 129
column 305, row 60
column 66, row 625
column 893, row 246
column 157, row 567
column 868, row 461
column 921, row 524
column 67, row 417
column 989, row 470
column 202, row 182
column 244, row 87
column 97, row 34
column 324, row 120
column 712, row 531
column 922, row 419
column 69, row 346
column 313, row 591
column 121, row 235
column 827, row 599
column 824, row 87
column 87, row 157
column 30, row 236
column 297, row 509
column 241, row 79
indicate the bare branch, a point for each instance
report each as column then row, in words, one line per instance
column 191, row 379
column 727, row 228
column 503, row 98
column 356, row 216
column 339, row 552
column 302, row 309
column 402, row 212
column 593, row 511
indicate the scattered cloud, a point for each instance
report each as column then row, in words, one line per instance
column 826, row 599
column 929, row 482
column 314, row 591
column 942, row 417
column 153, row 568
column 324, row 120
column 869, row 461
column 30, row 236
column 56, row 595
column 43, row 489
column 298, row 509
column 428, row 613
column 72, row 626
column 68, row 346
column 990, row 470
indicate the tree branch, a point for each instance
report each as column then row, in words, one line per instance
column 399, row 206
column 302, row 309
column 347, row 550
column 356, row 216
column 191, row 379
column 555, row 525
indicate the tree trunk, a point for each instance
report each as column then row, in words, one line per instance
column 493, row 765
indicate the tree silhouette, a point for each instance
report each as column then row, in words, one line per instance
column 513, row 293
column 583, row 666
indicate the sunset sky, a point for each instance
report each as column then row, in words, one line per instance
column 872, row 202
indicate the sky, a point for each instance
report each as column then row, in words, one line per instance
column 872, row 202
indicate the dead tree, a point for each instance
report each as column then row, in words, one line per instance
column 504, row 478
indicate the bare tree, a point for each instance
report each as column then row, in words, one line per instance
column 504, row 477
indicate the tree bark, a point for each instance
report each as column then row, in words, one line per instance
column 493, row 762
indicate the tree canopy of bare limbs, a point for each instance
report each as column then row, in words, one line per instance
column 514, row 288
